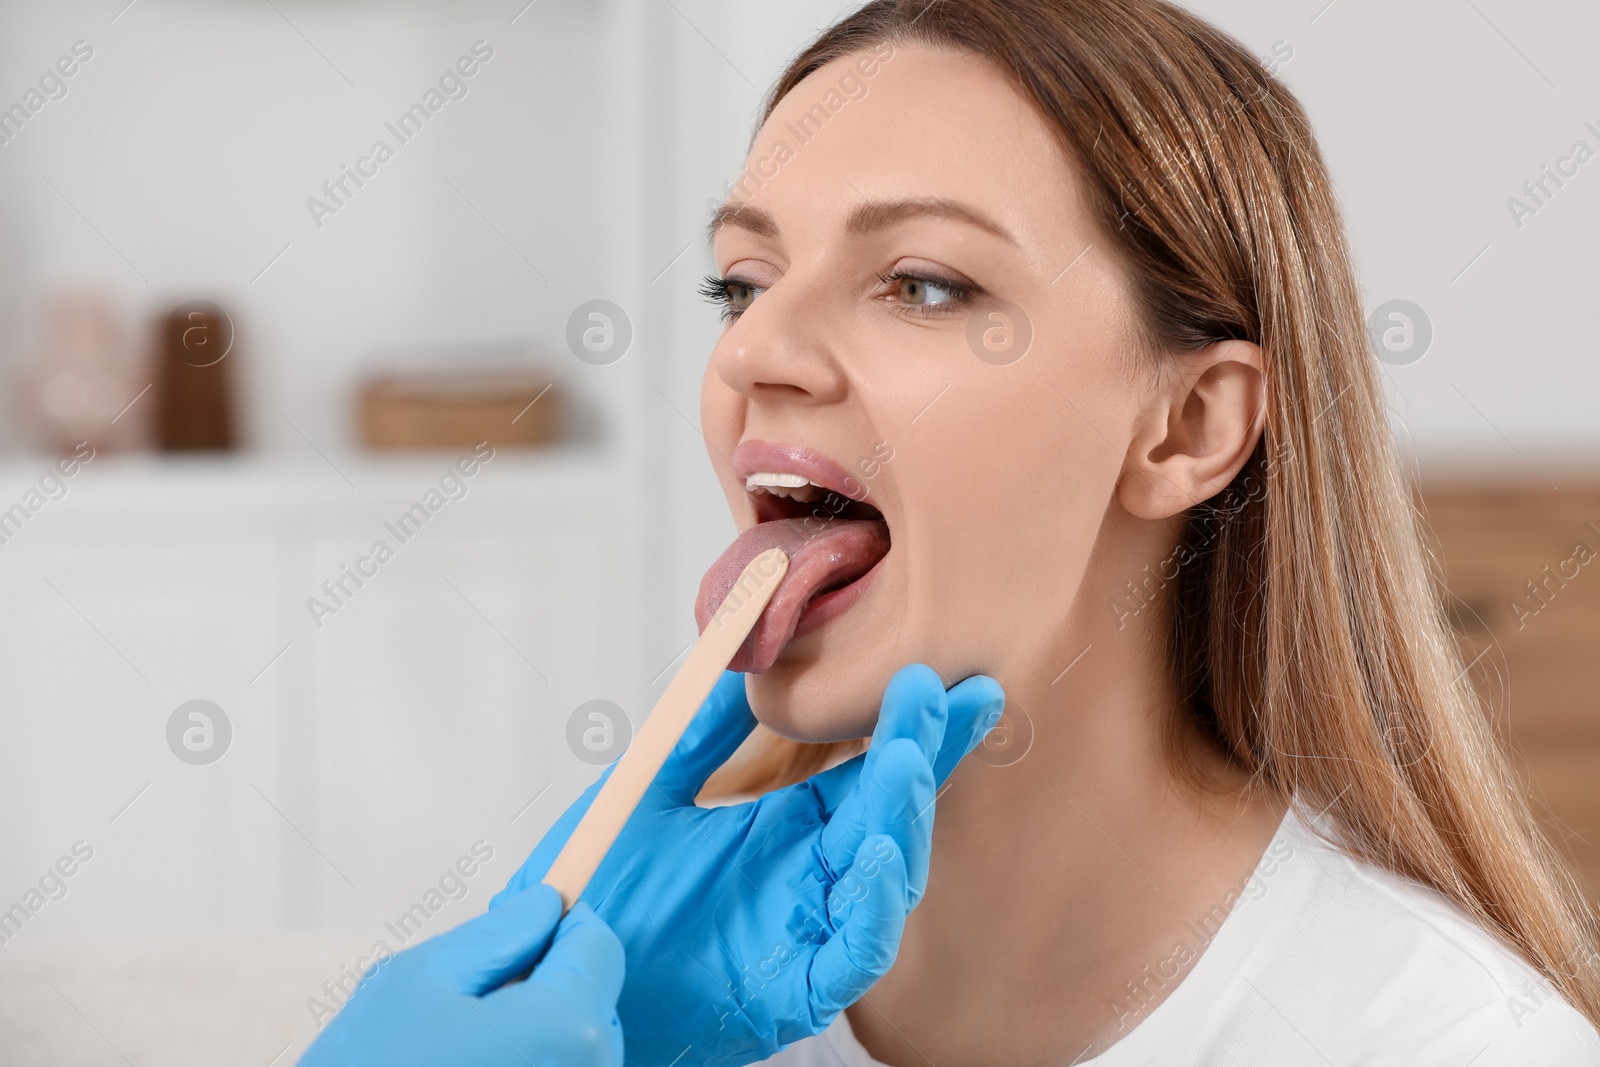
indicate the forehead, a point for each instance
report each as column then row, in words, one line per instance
column 910, row 122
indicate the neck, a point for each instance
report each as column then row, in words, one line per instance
column 1057, row 878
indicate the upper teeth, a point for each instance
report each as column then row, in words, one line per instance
column 794, row 486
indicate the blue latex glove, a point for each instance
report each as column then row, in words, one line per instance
column 446, row 1001
column 751, row 926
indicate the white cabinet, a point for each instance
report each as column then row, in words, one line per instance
column 367, row 753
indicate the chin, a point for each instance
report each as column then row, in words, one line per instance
column 823, row 697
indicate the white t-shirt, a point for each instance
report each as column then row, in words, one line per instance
column 1324, row 961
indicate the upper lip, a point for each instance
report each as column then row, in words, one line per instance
column 754, row 456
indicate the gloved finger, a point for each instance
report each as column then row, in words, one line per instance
column 719, row 727
column 899, row 806
column 973, row 707
column 914, row 707
column 565, row 1014
column 865, row 945
column 486, row 952
column 537, row 865
column 585, row 962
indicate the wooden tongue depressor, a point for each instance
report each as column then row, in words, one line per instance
column 637, row 768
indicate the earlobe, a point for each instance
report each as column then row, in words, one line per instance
column 1203, row 421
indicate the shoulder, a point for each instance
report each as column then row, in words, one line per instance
column 1389, row 971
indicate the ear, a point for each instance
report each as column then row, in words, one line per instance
column 1200, row 426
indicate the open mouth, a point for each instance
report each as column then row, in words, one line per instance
column 834, row 537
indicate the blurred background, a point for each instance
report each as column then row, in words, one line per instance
column 240, row 345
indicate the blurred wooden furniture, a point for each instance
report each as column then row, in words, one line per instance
column 1522, row 565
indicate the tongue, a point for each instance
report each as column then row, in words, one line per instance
column 841, row 551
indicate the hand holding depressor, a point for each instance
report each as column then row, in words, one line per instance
column 750, row 926
column 455, row 998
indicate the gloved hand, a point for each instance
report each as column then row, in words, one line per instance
column 446, row 1001
column 750, row 926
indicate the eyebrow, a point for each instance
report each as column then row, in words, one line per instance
column 867, row 218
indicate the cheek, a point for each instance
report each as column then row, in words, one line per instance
column 1004, row 502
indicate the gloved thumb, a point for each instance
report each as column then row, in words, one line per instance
column 485, row 953
column 586, row 961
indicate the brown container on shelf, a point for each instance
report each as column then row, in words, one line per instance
column 459, row 409
column 193, row 387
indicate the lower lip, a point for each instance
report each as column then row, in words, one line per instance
column 824, row 609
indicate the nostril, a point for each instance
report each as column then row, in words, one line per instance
column 781, row 391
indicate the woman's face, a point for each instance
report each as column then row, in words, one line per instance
column 918, row 295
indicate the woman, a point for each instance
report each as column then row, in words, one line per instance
column 1045, row 360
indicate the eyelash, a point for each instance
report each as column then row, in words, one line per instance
column 717, row 290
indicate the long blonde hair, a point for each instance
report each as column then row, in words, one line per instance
column 1306, row 628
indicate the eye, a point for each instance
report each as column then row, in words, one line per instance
column 734, row 296
column 925, row 293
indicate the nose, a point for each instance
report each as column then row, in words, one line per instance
column 780, row 350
